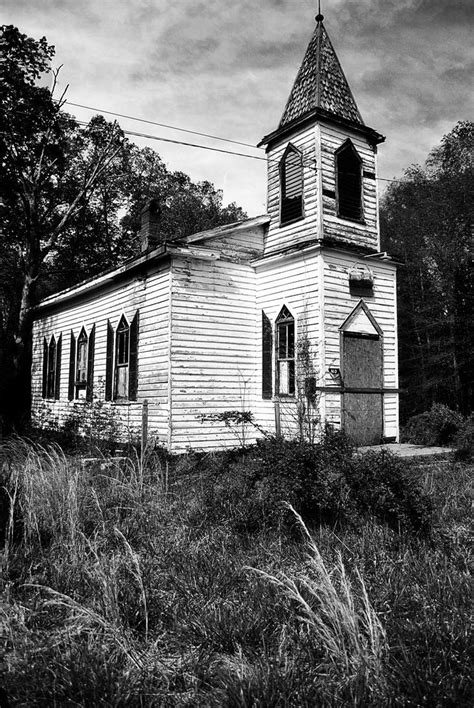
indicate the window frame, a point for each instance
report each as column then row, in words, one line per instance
column 80, row 384
column 127, row 355
column 349, row 147
column 51, row 367
column 285, row 220
column 285, row 322
column 122, row 333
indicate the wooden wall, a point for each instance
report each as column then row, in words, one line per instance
column 302, row 230
column 339, row 303
column 363, row 234
column 292, row 281
column 214, row 325
column 149, row 295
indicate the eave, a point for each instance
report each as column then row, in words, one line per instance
column 312, row 117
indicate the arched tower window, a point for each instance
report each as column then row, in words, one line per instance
column 349, row 182
column 291, row 185
column 285, row 353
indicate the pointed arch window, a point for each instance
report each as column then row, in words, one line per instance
column 285, row 353
column 81, row 365
column 122, row 360
column 51, row 367
column 349, row 182
column 291, row 185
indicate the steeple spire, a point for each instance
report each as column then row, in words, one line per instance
column 321, row 83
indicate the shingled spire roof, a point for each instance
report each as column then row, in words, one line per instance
column 321, row 83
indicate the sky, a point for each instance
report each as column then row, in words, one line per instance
column 227, row 68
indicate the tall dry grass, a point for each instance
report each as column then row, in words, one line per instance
column 119, row 590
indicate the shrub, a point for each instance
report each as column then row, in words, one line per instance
column 385, row 487
column 324, row 482
column 465, row 440
column 438, row 426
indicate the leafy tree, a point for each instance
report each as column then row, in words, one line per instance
column 70, row 201
column 49, row 165
column 427, row 218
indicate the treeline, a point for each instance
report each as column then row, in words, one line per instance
column 427, row 219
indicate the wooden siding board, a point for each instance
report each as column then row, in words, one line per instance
column 305, row 228
column 339, row 304
column 212, row 348
column 150, row 297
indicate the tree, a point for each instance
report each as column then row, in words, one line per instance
column 70, row 200
column 427, row 218
column 42, row 151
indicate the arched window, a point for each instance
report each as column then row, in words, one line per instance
column 81, row 365
column 81, row 361
column 51, row 367
column 121, row 372
column 285, row 353
column 349, row 182
column 122, row 356
column 291, row 185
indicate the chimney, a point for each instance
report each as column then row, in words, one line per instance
column 149, row 235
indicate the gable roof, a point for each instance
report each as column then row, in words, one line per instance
column 321, row 83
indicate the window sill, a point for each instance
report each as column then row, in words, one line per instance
column 291, row 221
column 362, row 222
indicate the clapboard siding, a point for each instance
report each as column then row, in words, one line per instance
column 339, row 303
column 364, row 234
column 292, row 281
column 213, row 366
column 301, row 230
column 245, row 244
column 150, row 296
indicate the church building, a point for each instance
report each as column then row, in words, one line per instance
column 280, row 323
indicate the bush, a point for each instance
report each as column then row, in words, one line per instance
column 465, row 440
column 324, row 482
column 438, row 426
column 384, row 486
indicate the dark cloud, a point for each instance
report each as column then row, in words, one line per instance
column 227, row 68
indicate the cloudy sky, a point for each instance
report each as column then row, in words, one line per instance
column 226, row 68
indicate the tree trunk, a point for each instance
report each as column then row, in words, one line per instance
column 20, row 394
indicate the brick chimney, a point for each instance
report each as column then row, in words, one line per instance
column 149, row 235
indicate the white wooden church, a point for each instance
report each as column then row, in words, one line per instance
column 290, row 316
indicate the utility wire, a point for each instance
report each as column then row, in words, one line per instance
column 163, row 125
column 310, row 164
column 192, row 132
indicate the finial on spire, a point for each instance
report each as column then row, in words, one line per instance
column 319, row 18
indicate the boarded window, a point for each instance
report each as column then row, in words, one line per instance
column 285, row 353
column 291, row 179
column 349, row 182
column 267, row 337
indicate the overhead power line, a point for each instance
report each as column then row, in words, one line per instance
column 163, row 125
column 311, row 164
column 182, row 142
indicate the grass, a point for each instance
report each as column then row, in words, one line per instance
column 119, row 589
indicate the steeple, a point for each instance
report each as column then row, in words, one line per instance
column 321, row 83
